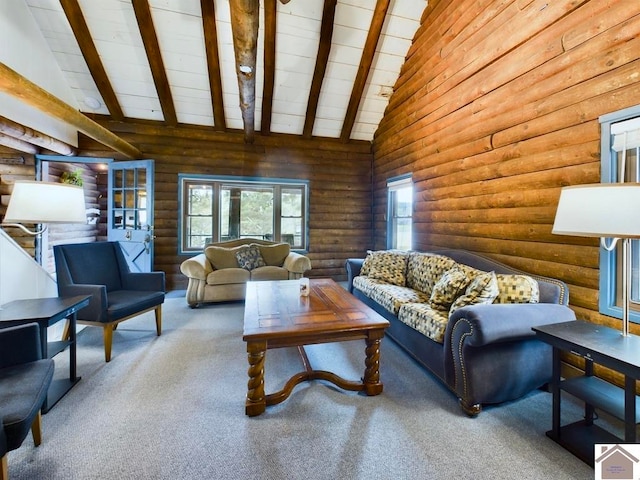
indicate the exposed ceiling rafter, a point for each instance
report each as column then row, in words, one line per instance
column 14, row 84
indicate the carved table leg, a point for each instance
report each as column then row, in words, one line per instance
column 256, row 401
column 371, row 380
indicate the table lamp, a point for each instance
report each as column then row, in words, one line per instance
column 43, row 203
column 605, row 210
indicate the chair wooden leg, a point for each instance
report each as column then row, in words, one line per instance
column 108, row 341
column 36, row 429
column 66, row 331
column 159, row 320
column 4, row 468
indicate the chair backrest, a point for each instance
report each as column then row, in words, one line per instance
column 95, row 263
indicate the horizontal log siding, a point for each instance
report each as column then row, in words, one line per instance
column 495, row 110
column 339, row 174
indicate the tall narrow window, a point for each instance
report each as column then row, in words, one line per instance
column 400, row 212
column 620, row 148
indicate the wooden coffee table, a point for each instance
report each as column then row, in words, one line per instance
column 276, row 315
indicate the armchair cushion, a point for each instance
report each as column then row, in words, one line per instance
column 124, row 303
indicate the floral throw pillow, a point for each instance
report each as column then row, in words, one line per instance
column 449, row 286
column 482, row 289
column 250, row 258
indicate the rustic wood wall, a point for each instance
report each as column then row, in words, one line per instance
column 339, row 174
column 496, row 109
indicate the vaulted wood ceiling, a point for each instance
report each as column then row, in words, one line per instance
column 304, row 67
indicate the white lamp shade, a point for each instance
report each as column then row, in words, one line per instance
column 45, row 202
column 599, row 210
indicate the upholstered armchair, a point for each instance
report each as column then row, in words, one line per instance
column 24, row 381
column 100, row 269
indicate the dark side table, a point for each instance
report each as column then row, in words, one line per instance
column 604, row 346
column 47, row 312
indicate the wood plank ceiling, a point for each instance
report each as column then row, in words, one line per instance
column 304, row 67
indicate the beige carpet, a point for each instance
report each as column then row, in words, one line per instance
column 172, row 407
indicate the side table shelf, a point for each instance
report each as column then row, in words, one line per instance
column 601, row 345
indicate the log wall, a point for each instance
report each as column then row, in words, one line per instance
column 496, row 108
column 339, row 174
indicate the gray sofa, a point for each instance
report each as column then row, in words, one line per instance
column 480, row 345
column 221, row 272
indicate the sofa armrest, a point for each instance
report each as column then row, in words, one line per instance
column 97, row 309
column 479, row 325
column 20, row 344
column 147, row 281
column 353, row 266
column 197, row 267
column 297, row 263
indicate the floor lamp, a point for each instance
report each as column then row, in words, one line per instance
column 609, row 211
column 44, row 203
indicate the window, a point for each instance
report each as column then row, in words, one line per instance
column 620, row 148
column 400, row 210
column 215, row 209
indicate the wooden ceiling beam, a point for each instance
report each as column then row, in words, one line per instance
column 208, row 10
column 324, row 48
column 152, row 47
column 26, row 134
column 270, row 10
column 379, row 14
column 90, row 53
column 14, row 84
column 17, row 144
column 244, row 24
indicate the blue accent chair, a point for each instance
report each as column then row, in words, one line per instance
column 24, row 381
column 100, row 269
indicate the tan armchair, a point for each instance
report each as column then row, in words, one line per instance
column 216, row 274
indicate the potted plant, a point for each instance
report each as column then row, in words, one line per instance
column 72, row 178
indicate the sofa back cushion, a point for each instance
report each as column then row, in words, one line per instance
column 514, row 288
column 223, row 257
column 274, row 255
column 425, row 269
column 387, row 265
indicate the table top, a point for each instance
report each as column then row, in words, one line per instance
column 276, row 309
column 602, row 344
column 33, row 309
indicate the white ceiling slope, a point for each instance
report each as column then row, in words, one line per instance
column 179, row 29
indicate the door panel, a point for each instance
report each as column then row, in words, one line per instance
column 130, row 212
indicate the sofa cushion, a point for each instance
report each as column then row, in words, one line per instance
column 228, row 275
column 269, row 272
column 482, row 289
column 424, row 270
column 517, row 289
column 222, row 257
column 250, row 258
column 424, row 319
column 274, row 254
column 449, row 286
column 391, row 297
column 387, row 265
column 366, row 284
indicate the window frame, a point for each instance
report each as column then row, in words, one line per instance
column 607, row 303
column 393, row 185
column 217, row 181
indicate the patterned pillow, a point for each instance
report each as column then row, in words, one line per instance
column 450, row 286
column 250, row 258
column 517, row 289
column 424, row 270
column 387, row 265
column 482, row 289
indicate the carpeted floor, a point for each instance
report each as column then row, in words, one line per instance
column 172, row 407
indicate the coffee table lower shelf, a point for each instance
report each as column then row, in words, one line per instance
column 579, row 438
